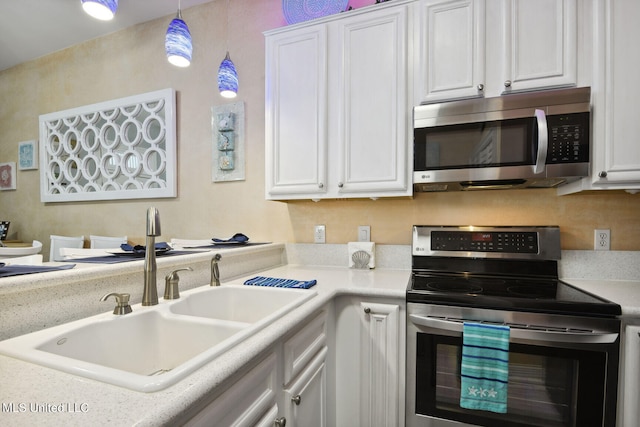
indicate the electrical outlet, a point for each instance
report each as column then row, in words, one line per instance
column 602, row 239
column 364, row 233
column 319, row 234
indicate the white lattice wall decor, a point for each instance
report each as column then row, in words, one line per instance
column 120, row 149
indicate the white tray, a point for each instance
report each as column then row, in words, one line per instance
column 21, row 251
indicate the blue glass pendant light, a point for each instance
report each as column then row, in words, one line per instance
column 103, row 10
column 227, row 78
column 177, row 43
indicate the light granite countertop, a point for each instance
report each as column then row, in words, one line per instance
column 35, row 395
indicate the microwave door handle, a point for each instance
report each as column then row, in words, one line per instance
column 530, row 335
column 543, row 142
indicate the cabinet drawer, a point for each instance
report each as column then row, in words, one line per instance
column 300, row 348
column 248, row 402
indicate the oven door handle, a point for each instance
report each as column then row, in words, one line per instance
column 532, row 335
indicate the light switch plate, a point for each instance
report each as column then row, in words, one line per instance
column 364, row 233
column 319, row 234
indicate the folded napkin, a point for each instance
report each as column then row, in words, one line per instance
column 237, row 238
column 280, row 283
column 139, row 249
column 484, row 370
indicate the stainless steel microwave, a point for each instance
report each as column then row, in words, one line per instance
column 528, row 140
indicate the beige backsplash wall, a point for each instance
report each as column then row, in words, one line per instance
column 132, row 61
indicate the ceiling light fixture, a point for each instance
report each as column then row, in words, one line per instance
column 177, row 42
column 103, row 10
column 227, row 74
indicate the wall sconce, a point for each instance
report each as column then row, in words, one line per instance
column 177, row 42
column 103, row 10
column 227, row 78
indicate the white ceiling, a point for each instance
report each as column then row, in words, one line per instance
column 30, row 29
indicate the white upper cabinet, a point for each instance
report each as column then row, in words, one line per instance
column 539, row 44
column 450, row 43
column 338, row 114
column 296, row 112
column 469, row 48
column 615, row 155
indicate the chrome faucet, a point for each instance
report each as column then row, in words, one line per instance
column 150, row 292
column 215, row 273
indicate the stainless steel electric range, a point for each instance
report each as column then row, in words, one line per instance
column 564, row 342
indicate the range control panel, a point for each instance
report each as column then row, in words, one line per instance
column 485, row 241
column 503, row 242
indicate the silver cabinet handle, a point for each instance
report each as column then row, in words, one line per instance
column 340, row 185
column 280, row 422
column 320, row 185
column 602, row 174
column 296, row 399
column 367, row 310
column 480, row 87
column 507, row 83
column 543, row 142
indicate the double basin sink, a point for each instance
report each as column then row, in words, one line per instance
column 154, row 347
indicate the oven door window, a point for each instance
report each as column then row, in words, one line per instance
column 548, row 387
column 476, row 145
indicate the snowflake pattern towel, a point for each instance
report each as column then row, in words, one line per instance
column 485, row 367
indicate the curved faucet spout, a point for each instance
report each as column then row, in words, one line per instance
column 150, row 292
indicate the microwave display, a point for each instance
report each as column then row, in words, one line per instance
column 509, row 142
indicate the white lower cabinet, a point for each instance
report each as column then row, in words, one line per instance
column 286, row 387
column 344, row 367
column 306, row 397
column 248, row 402
column 370, row 361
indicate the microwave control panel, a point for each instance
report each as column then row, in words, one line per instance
column 568, row 138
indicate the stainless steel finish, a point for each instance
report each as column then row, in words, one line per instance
column 507, row 83
column 171, row 283
column 543, row 142
column 548, row 242
column 215, row 272
column 529, row 333
column 509, row 106
column 604, row 328
column 296, row 399
column 602, row 174
column 280, row 422
column 150, row 292
column 122, row 303
column 480, row 87
column 522, row 105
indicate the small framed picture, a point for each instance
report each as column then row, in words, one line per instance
column 8, row 176
column 4, row 229
column 28, row 155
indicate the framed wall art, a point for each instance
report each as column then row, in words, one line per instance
column 27, row 155
column 8, row 176
column 227, row 123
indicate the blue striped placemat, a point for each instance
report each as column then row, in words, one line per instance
column 280, row 283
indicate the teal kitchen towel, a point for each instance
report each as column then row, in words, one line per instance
column 485, row 367
column 280, row 283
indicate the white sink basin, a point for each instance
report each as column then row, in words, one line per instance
column 247, row 304
column 154, row 347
